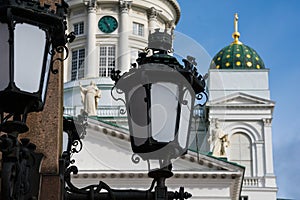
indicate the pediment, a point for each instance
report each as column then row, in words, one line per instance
column 241, row 99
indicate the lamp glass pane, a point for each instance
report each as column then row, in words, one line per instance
column 164, row 104
column 4, row 56
column 47, row 73
column 29, row 48
column 185, row 118
column 138, row 115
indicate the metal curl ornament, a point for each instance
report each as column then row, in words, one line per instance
column 123, row 111
column 74, row 127
column 61, row 49
column 115, row 98
column 200, row 96
column 75, row 144
column 135, row 158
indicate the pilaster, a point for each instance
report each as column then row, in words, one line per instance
column 259, row 159
column 270, row 180
column 268, row 145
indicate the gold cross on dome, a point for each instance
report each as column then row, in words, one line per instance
column 236, row 33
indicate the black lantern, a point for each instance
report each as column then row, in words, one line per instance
column 31, row 33
column 160, row 96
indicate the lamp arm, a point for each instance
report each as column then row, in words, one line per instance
column 75, row 129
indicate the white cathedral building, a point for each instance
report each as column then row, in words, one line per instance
column 110, row 33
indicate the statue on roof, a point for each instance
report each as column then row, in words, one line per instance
column 90, row 96
column 219, row 141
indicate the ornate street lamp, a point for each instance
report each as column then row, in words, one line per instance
column 159, row 96
column 31, row 33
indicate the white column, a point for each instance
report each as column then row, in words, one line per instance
column 152, row 19
column 270, row 180
column 124, row 30
column 91, row 54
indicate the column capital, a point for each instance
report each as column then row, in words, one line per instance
column 267, row 121
column 91, row 5
column 125, row 6
column 153, row 13
column 170, row 25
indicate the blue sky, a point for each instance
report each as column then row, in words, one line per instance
column 272, row 28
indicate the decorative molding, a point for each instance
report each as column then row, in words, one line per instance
column 142, row 174
column 240, row 99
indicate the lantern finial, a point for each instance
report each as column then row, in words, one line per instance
column 160, row 40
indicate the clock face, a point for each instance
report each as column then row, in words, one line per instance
column 107, row 24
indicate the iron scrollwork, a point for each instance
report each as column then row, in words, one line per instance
column 76, row 130
column 20, row 168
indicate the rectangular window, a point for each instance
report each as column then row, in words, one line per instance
column 138, row 29
column 243, row 198
column 77, row 71
column 78, row 28
column 106, row 60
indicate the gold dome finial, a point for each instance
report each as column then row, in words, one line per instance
column 236, row 33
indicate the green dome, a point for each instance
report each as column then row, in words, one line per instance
column 237, row 56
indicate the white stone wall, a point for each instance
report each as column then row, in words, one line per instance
column 240, row 101
column 225, row 82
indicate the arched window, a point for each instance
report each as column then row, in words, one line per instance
column 240, row 151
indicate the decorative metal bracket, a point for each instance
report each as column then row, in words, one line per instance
column 61, row 49
column 20, row 178
column 76, row 129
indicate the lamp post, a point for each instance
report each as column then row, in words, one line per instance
column 32, row 32
column 159, row 96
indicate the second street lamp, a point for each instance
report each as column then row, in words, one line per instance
column 32, row 32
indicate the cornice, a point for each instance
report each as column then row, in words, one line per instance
column 143, row 174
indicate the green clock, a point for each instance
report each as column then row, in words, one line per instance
column 108, row 24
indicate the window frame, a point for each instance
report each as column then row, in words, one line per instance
column 77, row 64
column 78, row 28
column 107, row 61
column 138, row 29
